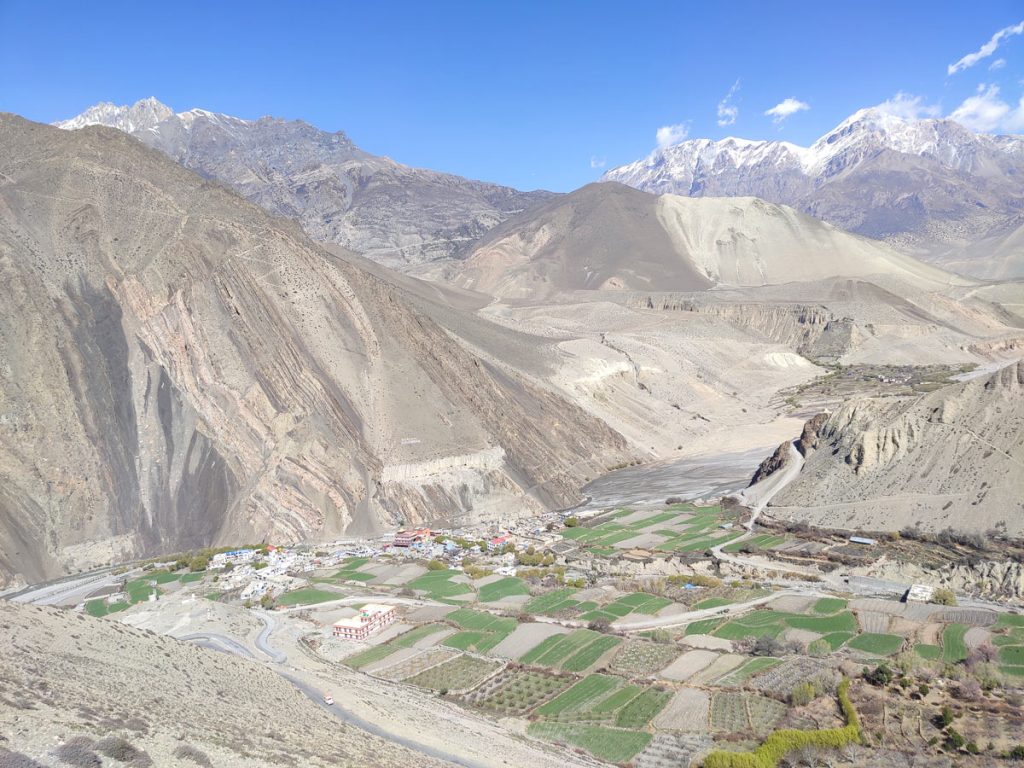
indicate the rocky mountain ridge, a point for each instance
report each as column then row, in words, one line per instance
column 373, row 205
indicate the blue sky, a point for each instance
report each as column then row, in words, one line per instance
column 527, row 94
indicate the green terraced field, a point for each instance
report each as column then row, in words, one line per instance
column 840, row 622
column 413, row 636
column 499, row 590
column 702, row 627
column 307, row 596
column 1012, row 655
column 552, row 602
column 585, row 658
column 878, row 644
column 617, row 700
column 1009, row 620
column 552, row 650
column 748, row 670
column 100, row 607
column 481, row 631
column 836, row 640
column 928, row 652
column 764, row 541
column 360, row 660
column 610, row 744
column 438, row 584
column 829, row 605
column 642, row 709
column 580, row 696
column 954, row 648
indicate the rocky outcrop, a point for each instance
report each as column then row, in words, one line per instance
column 952, row 458
column 1001, row 580
column 808, row 440
column 772, row 464
column 180, row 369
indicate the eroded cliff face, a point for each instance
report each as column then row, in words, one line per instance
column 812, row 331
column 180, row 369
column 952, row 458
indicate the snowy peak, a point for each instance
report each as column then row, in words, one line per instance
column 142, row 115
column 929, row 186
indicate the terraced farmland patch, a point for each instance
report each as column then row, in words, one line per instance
column 878, row 643
column 556, row 651
column 742, row 674
column 516, row 692
column 787, row 674
column 735, row 712
column 954, row 648
column 481, row 631
column 671, row 750
column 416, row 664
column 457, row 674
column 590, row 653
column 581, row 696
column 830, row 605
column 611, row 744
column 687, row 711
column 307, row 596
column 367, row 657
column 510, row 586
column 640, row 658
column 552, row 602
column 643, row 708
column 438, row 585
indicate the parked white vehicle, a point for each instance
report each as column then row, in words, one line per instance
column 328, row 699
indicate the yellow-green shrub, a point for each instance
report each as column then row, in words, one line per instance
column 780, row 743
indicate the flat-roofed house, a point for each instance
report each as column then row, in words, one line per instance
column 371, row 618
column 410, row 537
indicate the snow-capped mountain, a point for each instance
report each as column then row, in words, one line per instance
column 931, row 186
column 389, row 212
column 141, row 115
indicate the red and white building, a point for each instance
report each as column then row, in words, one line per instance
column 410, row 537
column 371, row 617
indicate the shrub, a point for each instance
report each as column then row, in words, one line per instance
column 819, row 648
column 1017, row 753
column 198, row 563
column 780, row 743
column 945, row 717
column 600, row 625
column 954, row 739
column 436, row 565
column 16, row 760
column 196, row 755
column 123, row 751
column 766, row 646
column 880, row 675
column 802, row 693
column 943, row 596
column 77, row 751
column 571, row 522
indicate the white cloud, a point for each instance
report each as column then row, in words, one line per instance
column 596, row 162
column 786, row 108
column 727, row 112
column 986, row 50
column 997, row 64
column 987, row 112
column 668, row 135
column 908, row 107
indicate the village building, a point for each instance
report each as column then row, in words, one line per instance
column 370, row 618
column 410, row 537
